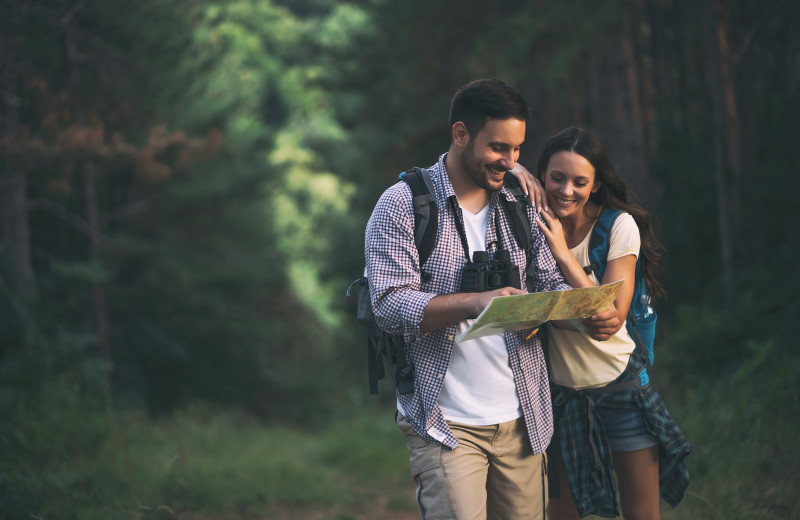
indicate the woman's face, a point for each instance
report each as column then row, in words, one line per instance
column 568, row 182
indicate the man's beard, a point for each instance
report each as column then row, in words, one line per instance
column 478, row 173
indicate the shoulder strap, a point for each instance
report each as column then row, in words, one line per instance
column 426, row 212
column 520, row 224
column 599, row 243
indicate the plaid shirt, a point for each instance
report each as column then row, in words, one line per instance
column 399, row 294
column 585, row 449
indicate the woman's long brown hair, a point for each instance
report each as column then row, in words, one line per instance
column 613, row 192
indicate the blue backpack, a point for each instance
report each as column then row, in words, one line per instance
column 641, row 320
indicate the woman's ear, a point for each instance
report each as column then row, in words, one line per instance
column 596, row 186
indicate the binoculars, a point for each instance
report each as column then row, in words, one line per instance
column 481, row 274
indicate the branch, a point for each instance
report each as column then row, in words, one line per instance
column 81, row 225
column 67, row 18
column 128, row 210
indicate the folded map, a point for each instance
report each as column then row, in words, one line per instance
column 525, row 311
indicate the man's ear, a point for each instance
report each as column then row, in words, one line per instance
column 460, row 134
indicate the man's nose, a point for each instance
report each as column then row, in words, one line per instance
column 508, row 160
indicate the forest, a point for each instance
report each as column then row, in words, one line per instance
column 184, row 186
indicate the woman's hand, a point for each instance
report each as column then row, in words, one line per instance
column 603, row 325
column 530, row 186
column 551, row 227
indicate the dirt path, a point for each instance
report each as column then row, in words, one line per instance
column 379, row 509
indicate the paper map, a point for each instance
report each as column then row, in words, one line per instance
column 525, row 311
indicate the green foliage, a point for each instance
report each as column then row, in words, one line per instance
column 753, row 334
column 223, row 259
column 743, row 455
column 53, row 399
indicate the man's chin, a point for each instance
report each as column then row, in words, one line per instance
column 495, row 182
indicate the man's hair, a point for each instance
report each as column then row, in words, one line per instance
column 484, row 99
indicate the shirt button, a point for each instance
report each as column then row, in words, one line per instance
column 440, row 376
column 450, row 337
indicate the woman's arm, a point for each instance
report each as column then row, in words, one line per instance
column 623, row 268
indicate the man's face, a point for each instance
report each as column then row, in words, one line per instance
column 492, row 152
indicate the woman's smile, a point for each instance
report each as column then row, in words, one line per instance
column 569, row 181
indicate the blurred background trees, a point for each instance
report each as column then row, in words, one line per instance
column 184, row 185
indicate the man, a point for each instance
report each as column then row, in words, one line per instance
column 479, row 418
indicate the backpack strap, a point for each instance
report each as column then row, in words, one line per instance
column 599, row 243
column 520, row 224
column 426, row 212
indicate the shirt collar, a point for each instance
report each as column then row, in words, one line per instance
column 442, row 181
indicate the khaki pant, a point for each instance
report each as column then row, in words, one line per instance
column 492, row 474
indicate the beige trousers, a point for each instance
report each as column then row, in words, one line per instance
column 492, row 474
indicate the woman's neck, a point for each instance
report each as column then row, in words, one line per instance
column 576, row 227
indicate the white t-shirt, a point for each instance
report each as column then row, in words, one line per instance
column 576, row 360
column 479, row 387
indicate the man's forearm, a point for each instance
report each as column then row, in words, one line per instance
column 448, row 309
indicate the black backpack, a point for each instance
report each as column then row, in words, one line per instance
column 426, row 226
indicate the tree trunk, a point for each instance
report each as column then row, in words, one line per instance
column 637, row 88
column 95, row 239
column 727, row 143
column 16, row 228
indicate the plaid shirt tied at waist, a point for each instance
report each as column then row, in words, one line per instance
column 585, row 449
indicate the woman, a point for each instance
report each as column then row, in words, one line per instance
column 629, row 428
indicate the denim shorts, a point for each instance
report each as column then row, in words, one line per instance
column 625, row 429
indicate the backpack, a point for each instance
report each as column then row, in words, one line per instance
column 381, row 344
column 641, row 320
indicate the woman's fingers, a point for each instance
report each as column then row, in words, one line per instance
column 549, row 218
column 530, row 186
column 538, row 197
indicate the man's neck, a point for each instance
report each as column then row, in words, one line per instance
column 471, row 197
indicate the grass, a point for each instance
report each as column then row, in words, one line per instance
column 744, row 434
column 204, row 463
column 225, row 464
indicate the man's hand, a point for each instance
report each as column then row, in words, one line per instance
column 603, row 325
column 483, row 298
